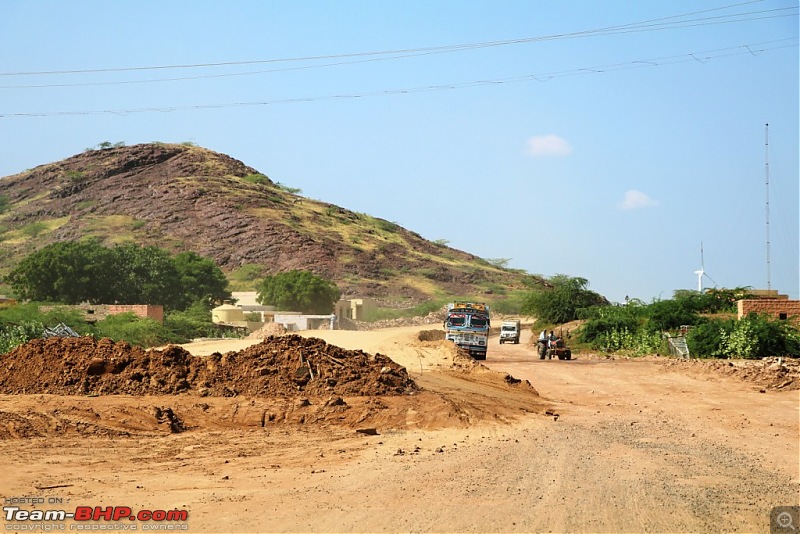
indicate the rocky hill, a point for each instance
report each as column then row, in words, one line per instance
column 182, row 198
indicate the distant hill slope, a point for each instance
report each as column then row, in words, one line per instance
column 181, row 198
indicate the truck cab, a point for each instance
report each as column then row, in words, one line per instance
column 510, row 331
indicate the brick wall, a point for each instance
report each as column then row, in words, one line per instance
column 98, row 312
column 780, row 309
column 142, row 310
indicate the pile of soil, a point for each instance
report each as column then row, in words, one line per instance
column 278, row 366
column 269, row 329
column 772, row 373
column 430, row 335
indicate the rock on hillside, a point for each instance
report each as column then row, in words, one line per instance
column 189, row 198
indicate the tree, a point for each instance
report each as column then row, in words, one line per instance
column 561, row 301
column 498, row 262
column 145, row 275
column 68, row 272
column 201, row 280
column 71, row 272
column 300, row 291
column 671, row 314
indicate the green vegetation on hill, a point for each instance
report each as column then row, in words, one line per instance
column 180, row 197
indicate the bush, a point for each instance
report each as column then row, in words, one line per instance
column 387, row 226
column 257, row 178
column 639, row 342
column 752, row 337
column 192, row 323
column 562, row 300
column 136, row 330
column 669, row 315
column 13, row 335
column 705, row 339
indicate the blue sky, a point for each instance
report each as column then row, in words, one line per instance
column 605, row 140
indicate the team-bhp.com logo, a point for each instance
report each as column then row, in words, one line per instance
column 83, row 515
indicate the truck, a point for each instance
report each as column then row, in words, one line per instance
column 509, row 331
column 467, row 325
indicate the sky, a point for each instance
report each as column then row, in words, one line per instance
column 621, row 142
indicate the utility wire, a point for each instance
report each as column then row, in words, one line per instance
column 657, row 24
column 420, row 52
column 753, row 49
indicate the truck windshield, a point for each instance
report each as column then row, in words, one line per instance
column 478, row 322
column 508, row 329
column 456, row 321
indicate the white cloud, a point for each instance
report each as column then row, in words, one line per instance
column 636, row 200
column 548, row 145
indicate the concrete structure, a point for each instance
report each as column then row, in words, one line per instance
column 246, row 300
column 355, row 309
column 227, row 314
column 294, row 321
column 230, row 315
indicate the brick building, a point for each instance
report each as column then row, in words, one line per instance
column 770, row 303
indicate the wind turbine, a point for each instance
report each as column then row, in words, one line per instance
column 702, row 272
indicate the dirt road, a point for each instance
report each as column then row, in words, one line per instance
column 605, row 446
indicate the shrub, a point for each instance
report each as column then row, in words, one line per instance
column 668, row 315
column 754, row 336
column 561, row 301
column 257, row 178
column 705, row 339
column 639, row 342
column 501, row 263
column 292, row 190
column 13, row 335
column 135, row 330
column 75, row 176
column 388, row 226
column 192, row 323
column 34, row 229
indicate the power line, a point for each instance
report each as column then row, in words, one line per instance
column 421, row 52
column 753, row 49
column 658, row 24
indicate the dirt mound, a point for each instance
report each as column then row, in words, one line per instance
column 278, row 366
column 431, row 335
column 269, row 329
column 768, row 373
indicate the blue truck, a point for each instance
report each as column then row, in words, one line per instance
column 467, row 325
